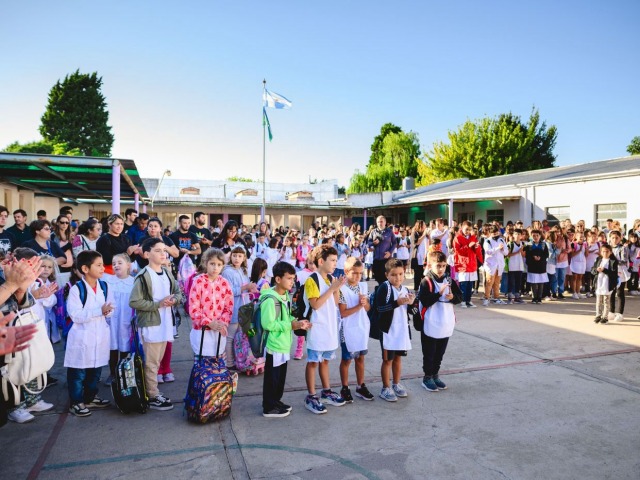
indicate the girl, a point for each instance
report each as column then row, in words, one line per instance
column 46, row 304
column 402, row 249
column 621, row 254
column 288, row 252
column 62, row 316
column 258, row 274
column 368, row 262
column 210, row 304
column 562, row 263
column 88, row 341
column 634, row 263
column 301, row 278
column 271, row 256
column 120, row 284
column 303, row 251
column 343, row 253
column 236, row 274
column 592, row 248
column 578, row 264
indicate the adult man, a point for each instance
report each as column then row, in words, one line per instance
column 42, row 215
column 20, row 230
column 202, row 232
column 67, row 211
column 186, row 241
column 384, row 243
column 130, row 215
column 139, row 229
column 441, row 232
column 7, row 240
column 219, row 226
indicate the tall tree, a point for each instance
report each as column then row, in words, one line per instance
column 77, row 115
column 634, row 147
column 376, row 146
column 396, row 158
column 489, row 147
column 44, row 147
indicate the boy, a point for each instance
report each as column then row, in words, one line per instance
column 516, row 267
column 437, row 294
column 391, row 300
column 605, row 282
column 354, row 334
column 321, row 293
column 279, row 340
column 537, row 254
column 154, row 293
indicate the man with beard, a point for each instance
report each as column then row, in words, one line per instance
column 202, row 232
column 7, row 240
column 383, row 242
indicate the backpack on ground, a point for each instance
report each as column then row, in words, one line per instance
column 128, row 387
column 210, row 389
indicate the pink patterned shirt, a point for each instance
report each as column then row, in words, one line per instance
column 210, row 301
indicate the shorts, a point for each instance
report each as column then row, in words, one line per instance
column 391, row 354
column 347, row 355
column 368, row 266
column 318, row 356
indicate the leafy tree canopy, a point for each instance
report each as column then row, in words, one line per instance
column 634, row 147
column 490, row 147
column 77, row 115
column 240, row 179
column 43, row 146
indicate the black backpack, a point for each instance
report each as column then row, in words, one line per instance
column 301, row 310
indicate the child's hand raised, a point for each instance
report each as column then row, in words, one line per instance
column 337, row 283
column 168, row 301
column 301, row 325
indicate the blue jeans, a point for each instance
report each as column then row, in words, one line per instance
column 504, row 282
column 467, row 290
column 83, row 384
column 558, row 286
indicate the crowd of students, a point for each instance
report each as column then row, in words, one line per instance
column 88, row 280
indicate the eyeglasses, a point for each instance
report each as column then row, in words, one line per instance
column 45, row 228
column 63, row 223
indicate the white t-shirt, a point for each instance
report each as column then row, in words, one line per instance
column 161, row 288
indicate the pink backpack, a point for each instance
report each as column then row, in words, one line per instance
column 245, row 361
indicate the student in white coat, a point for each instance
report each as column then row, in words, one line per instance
column 495, row 248
column 89, row 338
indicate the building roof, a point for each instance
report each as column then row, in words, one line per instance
column 72, row 179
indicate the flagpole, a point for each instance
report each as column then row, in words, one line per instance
column 264, row 151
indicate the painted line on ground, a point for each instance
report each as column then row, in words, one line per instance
column 48, row 446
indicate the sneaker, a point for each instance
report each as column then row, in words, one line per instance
column 509, row 302
column 363, row 392
column 399, row 390
column 169, row 377
column 51, row 381
column 485, row 302
column 618, row 317
column 314, row 405
column 160, row 378
column 160, row 402
column 500, row 302
column 276, row 412
column 288, row 408
column 98, row 402
column 519, row 301
column 388, row 394
column 332, row 398
column 582, row 295
column 597, row 319
column 589, row 295
column 470, row 305
column 20, row 415
column 464, row 305
column 439, row 383
column 575, row 296
column 108, row 381
column 554, row 296
column 345, row 393
column 79, row 410
column 297, row 357
column 41, row 406
column 561, row 296
column 604, row 319
column 429, row 385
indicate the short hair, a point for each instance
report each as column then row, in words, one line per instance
column 66, row 209
column 281, row 268
column 183, row 217
column 155, row 219
column 535, row 230
column 437, row 256
column 208, row 255
column 607, row 246
column 20, row 211
column 609, row 219
column 129, row 211
column 4, row 209
column 517, row 230
column 41, row 213
column 495, row 229
column 197, row 214
column 38, row 225
column 261, row 234
column 393, row 263
column 24, row 252
column 615, row 232
column 466, row 223
column 113, row 217
column 143, row 216
column 352, row 262
column 149, row 243
column 273, row 243
column 323, row 252
column 86, row 259
column 123, row 256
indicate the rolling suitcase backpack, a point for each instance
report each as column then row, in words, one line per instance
column 128, row 387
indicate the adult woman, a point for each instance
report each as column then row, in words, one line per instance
column 114, row 242
column 88, row 234
column 41, row 243
column 63, row 237
column 154, row 230
column 228, row 238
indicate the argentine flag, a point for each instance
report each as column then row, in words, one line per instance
column 275, row 100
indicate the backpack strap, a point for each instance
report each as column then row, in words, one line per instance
column 105, row 288
column 82, row 289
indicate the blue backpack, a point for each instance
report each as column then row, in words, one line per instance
column 82, row 288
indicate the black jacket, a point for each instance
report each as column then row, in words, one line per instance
column 611, row 272
column 428, row 297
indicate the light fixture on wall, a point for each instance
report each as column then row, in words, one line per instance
column 499, row 201
column 168, row 174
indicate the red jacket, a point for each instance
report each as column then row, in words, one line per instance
column 466, row 258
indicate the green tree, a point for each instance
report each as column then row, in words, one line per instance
column 634, row 147
column 489, row 147
column 77, row 115
column 376, row 146
column 396, row 158
column 239, row 179
column 43, row 146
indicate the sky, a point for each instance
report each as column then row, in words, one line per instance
column 183, row 80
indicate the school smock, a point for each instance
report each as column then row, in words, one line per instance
column 121, row 319
column 160, row 288
column 494, row 256
column 355, row 327
column 439, row 318
column 398, row 336
column 579, row 261
column 602, row 280
column 402, row 249
column 44, row 310
column 516, row 262
column 89, row 338
column 323, row 335
column 236, row 278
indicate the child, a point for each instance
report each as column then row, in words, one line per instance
column 321, row 293
column 391, row 302
column 236, row 274
column 343, row 252
column 356, row 249
column 368, row 262
column 605, row 280
column 634, row 264
column 258, row 274
column 437, row 294
column 354, row 330
column 495, row 249
column 288, row 252
column 402, row 248
column 46, row 304
column 621, row 253
column 120, row 284
column 591, row 250
column 210, row 304
column 271, row 255
column 88, row 340
column 155, row 292
column 578, row 264
column 536, row 254
column 303, row 251
column 301, row 278
column 279, row 340
column 515, row 254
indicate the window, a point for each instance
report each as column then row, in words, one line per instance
column 464, row 216
column 495, row 215
column 556, row 214
column 614, row 211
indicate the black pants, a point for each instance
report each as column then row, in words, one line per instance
column 273, row 386
column 432, row 352
column 618, row 295
column 379, row 272
column 418, row 273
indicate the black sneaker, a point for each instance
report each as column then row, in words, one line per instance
column 363, row 392
column 160, row 402
column 284, row 406
column 98, row 402
column 560, row 296
column 79, row 410
column 604, row 319
column 51, row 381
column 345, row 393
column 276, row 412
column 598, row 319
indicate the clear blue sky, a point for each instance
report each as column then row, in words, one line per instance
column 183, row 80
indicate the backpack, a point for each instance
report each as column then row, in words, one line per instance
column 416, row 310
column 245, row 361
column 128, row 387
column 62, row 318
column 302, row 311
column 258, row 340
column 374, row 315
column 83, row 290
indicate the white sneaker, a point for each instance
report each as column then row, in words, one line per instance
column 500, row 302
column 470, row 305
column 41, row 406
column 618, row 317
column 169, row 377
column 485, row 303
column 160, row 379
column 575, row 296
column 20, row 415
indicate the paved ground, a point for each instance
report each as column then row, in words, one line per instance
column 535, row 392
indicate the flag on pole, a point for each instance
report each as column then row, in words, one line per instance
column 265, row 121
column 275, row 100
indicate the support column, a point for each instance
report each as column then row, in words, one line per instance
column 115, row 188
column 225, row 218
column 136, row 202
column 364, row 220
column 450, row 212
column 144, row 208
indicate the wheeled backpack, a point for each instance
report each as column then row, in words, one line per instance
column 128, row 386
